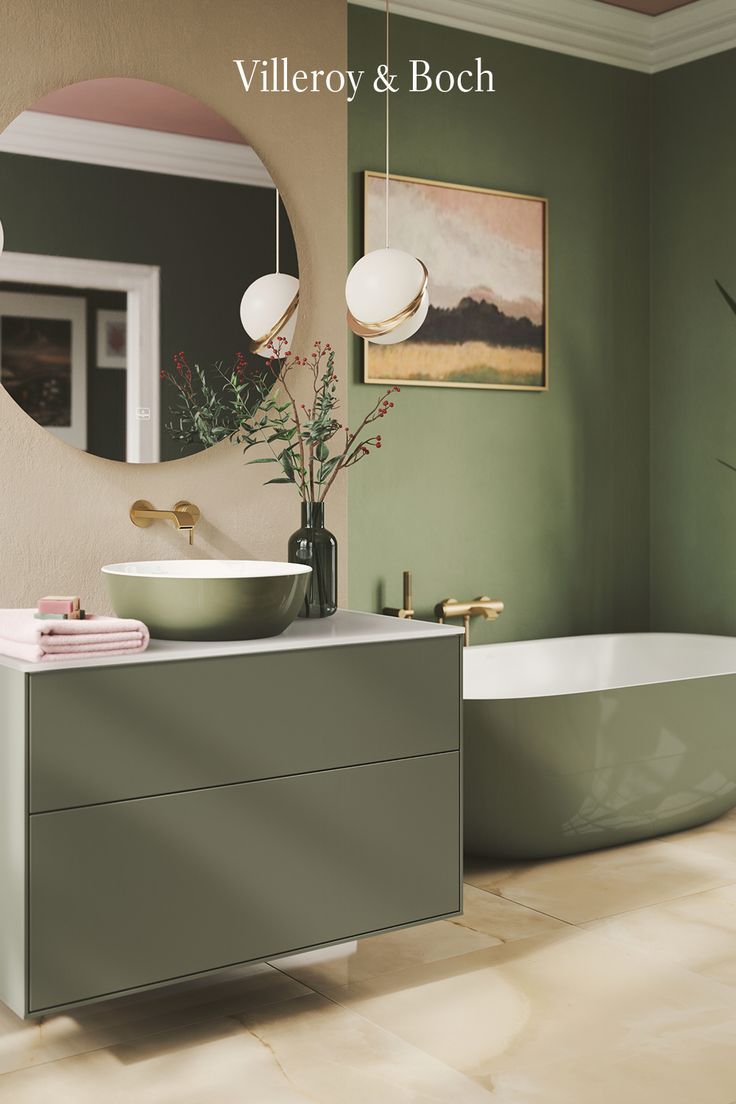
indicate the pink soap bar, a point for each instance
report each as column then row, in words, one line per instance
column 57, row 604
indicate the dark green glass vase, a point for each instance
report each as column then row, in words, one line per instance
column 316, row 547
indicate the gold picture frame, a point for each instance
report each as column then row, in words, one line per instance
column 524, row 368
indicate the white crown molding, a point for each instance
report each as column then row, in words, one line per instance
column 587, row 28
column 38, row 134
column 696, row 31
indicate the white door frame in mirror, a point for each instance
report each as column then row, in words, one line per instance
column 141, row 282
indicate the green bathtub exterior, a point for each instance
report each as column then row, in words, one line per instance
column 557, row 775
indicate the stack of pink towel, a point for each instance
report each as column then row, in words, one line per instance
column 23, row 636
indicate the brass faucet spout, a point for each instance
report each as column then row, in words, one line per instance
column 184, row 516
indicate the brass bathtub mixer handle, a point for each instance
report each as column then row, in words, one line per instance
column 485, row 607
column 406, row 612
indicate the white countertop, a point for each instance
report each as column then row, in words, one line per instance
column 344, row 627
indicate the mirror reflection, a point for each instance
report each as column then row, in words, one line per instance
column 135, row 217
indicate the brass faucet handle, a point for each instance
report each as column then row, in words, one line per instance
column 408, row 603
column 406, row 612
column 189, row 508
column 489, row 608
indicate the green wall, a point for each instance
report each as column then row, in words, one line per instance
column 540, row 499
column 693, row 534
column 211, row 239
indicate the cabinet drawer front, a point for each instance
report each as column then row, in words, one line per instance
column 145, row 891
column 115, row 733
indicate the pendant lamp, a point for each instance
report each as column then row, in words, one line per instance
column 387, row 289
column 268, row 309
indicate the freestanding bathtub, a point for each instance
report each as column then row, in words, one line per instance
column 585, row 742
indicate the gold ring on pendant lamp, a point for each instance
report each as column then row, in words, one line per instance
column 380, row 329
column 260, row 343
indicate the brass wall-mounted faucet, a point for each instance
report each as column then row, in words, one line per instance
column 489, row 608
column 407, row 610
column 184, row 515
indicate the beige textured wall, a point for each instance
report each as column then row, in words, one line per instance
column 63, row 514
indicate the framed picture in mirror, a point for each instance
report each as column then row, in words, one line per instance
column 111, row 339
column 43, row 360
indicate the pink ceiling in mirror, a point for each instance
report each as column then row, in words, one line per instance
column 139, row 103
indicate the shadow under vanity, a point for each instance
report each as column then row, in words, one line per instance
column 202, row 805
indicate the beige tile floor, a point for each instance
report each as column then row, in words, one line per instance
column 596, row 979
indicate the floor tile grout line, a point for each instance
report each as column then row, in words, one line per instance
column 652, row 904
column 658, row 904
column 393, row 1035
column 597, row 919
column 522, row 904
column 436, row 961
column 219, row 1018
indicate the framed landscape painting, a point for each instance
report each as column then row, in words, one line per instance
column 43, row 360
column 486, row 252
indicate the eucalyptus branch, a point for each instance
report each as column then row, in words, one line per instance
column 256, row 408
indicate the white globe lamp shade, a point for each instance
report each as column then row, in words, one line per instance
column 409, row 327
column 387, row 296
column 268, row 311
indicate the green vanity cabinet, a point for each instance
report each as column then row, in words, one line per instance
column 158, row 888
column 160, row 819
column 108, row 734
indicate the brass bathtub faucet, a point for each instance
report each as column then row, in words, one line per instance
column 184, row 515
column 489, row 608
column 407, row 610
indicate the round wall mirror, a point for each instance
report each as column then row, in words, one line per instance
column 135, row 217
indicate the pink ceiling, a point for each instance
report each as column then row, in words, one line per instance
column 138, row 103
column 649, row 7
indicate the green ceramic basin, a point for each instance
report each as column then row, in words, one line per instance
column 208, row 599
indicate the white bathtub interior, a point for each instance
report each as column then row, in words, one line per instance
column 585, row 664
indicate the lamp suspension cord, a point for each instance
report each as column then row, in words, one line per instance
column 387, row 115
column 278, row 235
